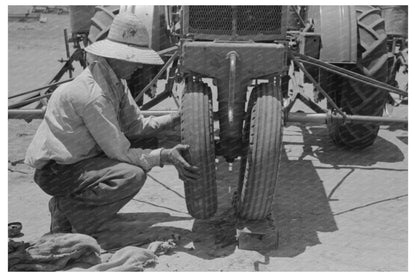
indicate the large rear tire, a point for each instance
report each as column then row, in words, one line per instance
column 262, row 140
column 197, row 131
column 356, row 98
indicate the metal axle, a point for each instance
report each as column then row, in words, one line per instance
column 324, row 118
column 29, row 114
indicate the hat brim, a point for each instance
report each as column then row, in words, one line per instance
column 111, row 49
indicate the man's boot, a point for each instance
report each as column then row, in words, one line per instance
column 59, row 222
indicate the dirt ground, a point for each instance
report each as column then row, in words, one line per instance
column 335, row 210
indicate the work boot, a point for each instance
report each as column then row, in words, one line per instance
column 59, row 222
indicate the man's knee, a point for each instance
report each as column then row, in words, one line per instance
column 135, row 177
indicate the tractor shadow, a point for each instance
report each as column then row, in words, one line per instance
column 139, row 229
column 207, row 239
column 216, row 236
column 300, row 211
column 328, row 153
column 302, row 206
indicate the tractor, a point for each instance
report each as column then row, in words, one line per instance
column 237, row 64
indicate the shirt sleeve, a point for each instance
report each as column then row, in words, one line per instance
column 135, row 124
column 101, row 120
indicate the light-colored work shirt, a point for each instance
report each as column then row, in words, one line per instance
column 85, row 118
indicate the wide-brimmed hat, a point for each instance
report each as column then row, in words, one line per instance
column 127, row 40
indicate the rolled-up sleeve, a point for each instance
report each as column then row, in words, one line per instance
column 101, row 120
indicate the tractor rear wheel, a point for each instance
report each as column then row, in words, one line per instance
column 262, row 139
column 197, row 131
column 356, row 98
column 101, row 22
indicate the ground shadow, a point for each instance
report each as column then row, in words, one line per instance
column 138, row 229
column 301, row 208
column 329, row 153
column 216, row 237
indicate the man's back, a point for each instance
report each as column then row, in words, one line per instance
column 62, row 135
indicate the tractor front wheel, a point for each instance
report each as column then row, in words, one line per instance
column 197, row 131
column 262, row 140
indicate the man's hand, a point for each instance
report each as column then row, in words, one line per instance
column 179, row 157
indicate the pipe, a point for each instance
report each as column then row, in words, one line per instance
column 318, row 87
column 322, row 118
column 39, row 113
column 27, row 114
column 156, row 100
column 232, row 84
column 308, row 102
column 47, row 86
column 28, row 101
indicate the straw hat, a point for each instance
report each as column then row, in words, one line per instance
column 127, row 40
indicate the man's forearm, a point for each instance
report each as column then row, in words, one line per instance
column 167, row 121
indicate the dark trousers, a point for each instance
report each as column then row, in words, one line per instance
column 91, row 191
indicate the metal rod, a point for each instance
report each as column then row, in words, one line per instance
column 167, row 50
column 28, row 101
column 318, row 87
column 324, row 118
column 68, row 55
column 39, row 113
column 156, row 78
column 289, row 106
column 27, row 114
column 46, row 86
column 156, row 100
column 294, row 8
column 308, row 102
column 232, row 85
column 348, row 74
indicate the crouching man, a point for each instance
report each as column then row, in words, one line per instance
column 82, row 150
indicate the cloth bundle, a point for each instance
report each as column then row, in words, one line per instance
column 53, row 252
column 78, row 252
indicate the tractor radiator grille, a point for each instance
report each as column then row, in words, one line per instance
column 235, row 20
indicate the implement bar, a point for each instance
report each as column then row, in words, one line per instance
column 322, row 118
column 156, row 78
column 39, row 113
column 47, row 86
column 348, row 74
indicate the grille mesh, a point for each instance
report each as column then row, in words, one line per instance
column 259, row 19
column 249, row 20
column 210, row 19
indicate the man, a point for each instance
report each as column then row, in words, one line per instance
column 82, row 151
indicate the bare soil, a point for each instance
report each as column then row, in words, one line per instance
column 335, row 210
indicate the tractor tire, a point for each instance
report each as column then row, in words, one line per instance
column 356, row 98
column 101, row 22
column 197, row 131
column 262, row 139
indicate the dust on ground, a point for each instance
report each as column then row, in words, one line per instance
column 335, row 210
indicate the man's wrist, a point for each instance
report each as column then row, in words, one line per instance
column 164, row 156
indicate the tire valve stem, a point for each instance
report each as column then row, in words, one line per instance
column 230, row 167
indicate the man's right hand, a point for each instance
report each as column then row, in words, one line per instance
column 176, row 156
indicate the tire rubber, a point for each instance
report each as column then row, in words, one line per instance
column 356, row 98
column 262, row 138
column 198, row 132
